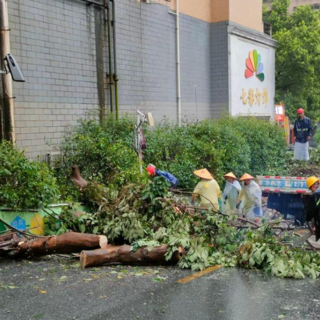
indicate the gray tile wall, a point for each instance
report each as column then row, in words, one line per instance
column 219, row 69
column 54, row 42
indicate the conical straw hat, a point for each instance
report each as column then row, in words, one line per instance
column 230, row 175
column 246, row 176
column 204, row 174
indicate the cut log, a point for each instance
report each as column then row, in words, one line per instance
column 124, row 255
column 71, row 242
column 77, row 178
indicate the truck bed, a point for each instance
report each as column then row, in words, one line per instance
column 280, row 184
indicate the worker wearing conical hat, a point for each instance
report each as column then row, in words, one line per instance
column 313, row 206
column 251, row 196
column 208, row 190
column 230, row 193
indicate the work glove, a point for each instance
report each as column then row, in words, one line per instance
column 238, row 205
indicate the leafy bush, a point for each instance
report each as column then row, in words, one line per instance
column 265, row 140
column 24, row 184
column 229, row 144
column 179, row 151
column 104, row 153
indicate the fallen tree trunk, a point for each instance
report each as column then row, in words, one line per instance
column 70, row 242
column 124, row 255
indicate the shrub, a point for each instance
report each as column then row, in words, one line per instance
column 266, row 144
column 103, row 153
column 179, row 151
column 24, row 184
column 229, row 144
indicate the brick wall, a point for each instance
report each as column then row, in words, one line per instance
column 146, row 58
column 196, row 45
column 54, row 43
column 219, row 69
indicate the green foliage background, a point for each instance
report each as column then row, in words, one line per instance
column 105, row 154
column 24, row 184
column 229, row 144
column 297, row 57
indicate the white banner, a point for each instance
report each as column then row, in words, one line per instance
column 252, row 78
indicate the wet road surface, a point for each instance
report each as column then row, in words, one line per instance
column 56, row 288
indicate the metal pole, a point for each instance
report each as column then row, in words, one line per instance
column 178, row 62
column 100, row 22
column 115, row 75
column 110, row 57
column 8, row 111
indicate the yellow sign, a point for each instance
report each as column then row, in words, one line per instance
column 254, row 97
column 37, row 225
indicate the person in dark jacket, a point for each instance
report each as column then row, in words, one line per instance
column 153, row 171
column 302, row 132
column 313, row 206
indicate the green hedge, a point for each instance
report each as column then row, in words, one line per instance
column 24, row 184
column 105, row 154
column 229, row 144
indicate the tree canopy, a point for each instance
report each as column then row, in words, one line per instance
column 297, row 57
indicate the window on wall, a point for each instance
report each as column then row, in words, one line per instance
column 315, row 7
column 294, row 9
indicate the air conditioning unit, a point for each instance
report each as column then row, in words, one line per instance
column 267, row 29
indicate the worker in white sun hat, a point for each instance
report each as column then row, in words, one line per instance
column 251, row 195
column 230, row 194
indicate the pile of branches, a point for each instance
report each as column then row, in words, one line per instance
column 148, row 224
column 150, row 216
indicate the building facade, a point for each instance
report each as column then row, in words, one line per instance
column 226, row 63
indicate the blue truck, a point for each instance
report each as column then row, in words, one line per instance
column 287, row 195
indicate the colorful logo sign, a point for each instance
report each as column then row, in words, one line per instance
column 254, row 66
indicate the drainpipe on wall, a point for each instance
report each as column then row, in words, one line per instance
column 178, row 64
column 107, row 4
column 177, row 14
column 8, row 111
column 115, row 75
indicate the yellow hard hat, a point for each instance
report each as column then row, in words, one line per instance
column 246, row 176
column 311, row 181
column 204, row 174
column 230, row 175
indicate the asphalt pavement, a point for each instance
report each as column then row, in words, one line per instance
column 56, row 288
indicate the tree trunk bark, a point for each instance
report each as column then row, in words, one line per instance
column 124, row 255
column 70, row 242
column 77, row 178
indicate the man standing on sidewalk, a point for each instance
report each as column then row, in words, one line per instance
column 302, row 132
